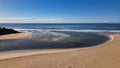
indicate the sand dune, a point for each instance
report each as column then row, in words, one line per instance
column 106, row 55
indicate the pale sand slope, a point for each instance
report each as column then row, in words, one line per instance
column 15, row 36
column 106, row 55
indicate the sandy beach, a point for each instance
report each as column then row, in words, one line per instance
column 15, row 36
column 59, row 33
column 106, row 55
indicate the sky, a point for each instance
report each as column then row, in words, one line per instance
column 59, row 11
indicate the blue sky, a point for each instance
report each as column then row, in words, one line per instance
column 59, row 11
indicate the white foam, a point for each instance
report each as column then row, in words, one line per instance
column 69, row 30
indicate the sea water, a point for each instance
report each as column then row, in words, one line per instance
column 60, row 35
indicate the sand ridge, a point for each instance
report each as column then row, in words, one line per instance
column 15, row 36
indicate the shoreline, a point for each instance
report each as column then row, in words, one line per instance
column 15, row 36
column 105, row 55
column 6, row 55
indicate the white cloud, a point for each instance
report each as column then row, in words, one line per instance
column 30, row 20
column 93, row 20
column 54, row 20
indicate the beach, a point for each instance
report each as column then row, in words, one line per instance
column 105, row 55
column 59, row 33
column 15, row 36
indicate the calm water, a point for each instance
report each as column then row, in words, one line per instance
column 50, row 36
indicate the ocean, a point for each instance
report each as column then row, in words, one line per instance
column 70, row 27
column 60, row 35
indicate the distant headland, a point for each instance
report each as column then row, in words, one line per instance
column 4, row 31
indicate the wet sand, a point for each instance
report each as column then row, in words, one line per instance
column 106, row 55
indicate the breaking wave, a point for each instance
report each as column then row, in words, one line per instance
column 69, row 30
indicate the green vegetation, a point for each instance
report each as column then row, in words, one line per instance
column 4, row 31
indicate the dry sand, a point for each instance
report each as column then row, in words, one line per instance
column 106, row 55
column 15, row 36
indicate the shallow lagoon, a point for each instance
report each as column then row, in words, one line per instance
column 53, row 40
